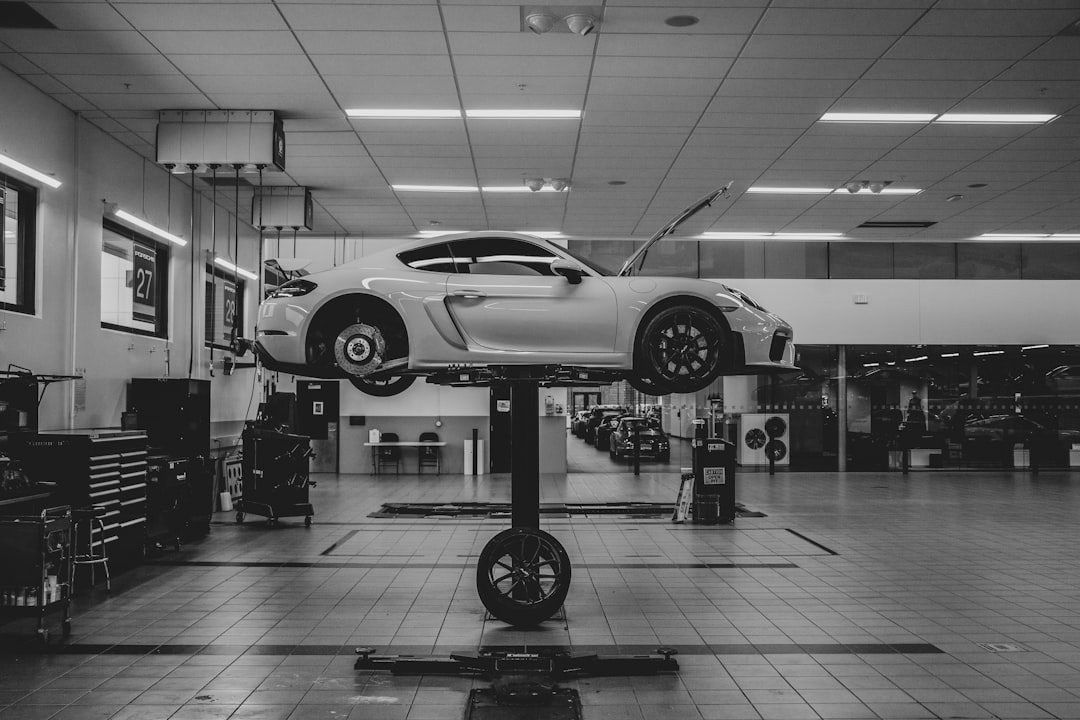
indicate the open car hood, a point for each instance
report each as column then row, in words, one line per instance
column 635, row 261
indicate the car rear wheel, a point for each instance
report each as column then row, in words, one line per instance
column 681, row 348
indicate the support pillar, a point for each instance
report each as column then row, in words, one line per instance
column 525, row 459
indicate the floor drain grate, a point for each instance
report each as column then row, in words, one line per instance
column 1002, row 647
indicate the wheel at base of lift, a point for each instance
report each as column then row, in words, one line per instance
column 307, row 521
column 239, row 517
column 523, row 576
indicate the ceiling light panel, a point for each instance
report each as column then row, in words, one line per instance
column 996, row 118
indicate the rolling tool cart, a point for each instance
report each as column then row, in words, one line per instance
column 36, row 566
column 276, row 479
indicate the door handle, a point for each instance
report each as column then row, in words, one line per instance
column 469, row 294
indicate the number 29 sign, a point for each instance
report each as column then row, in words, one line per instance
column 143, row 285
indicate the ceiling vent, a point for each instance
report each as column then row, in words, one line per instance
column 897, row 224
column 19, row 15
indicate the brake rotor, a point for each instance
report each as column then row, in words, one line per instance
column 359, row 349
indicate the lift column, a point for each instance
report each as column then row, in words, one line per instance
column 525, row 453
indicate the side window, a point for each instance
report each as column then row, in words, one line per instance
column 432, row 258
column 501, row 256
column 18, row 205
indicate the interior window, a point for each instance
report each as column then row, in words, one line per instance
column 501, row 256
column 134, row 279
column 18, row 203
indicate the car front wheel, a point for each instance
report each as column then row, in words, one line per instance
column 681, row 348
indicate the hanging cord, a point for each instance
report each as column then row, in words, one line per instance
column 262, row 243
column 191, row 351
column 236, row 256
column 213, row 253
column 294, row 241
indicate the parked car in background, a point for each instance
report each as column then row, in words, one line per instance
column 578, row 422
column 495, row 299
column 597, row 415
column 605, row 428
column 652, row 441
column 1064, row 380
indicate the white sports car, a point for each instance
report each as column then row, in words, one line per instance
column 488, row 299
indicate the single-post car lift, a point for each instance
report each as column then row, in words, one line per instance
column 523, row 573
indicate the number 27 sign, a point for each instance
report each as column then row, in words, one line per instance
column 143, row 285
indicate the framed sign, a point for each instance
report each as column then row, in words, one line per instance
column 143, row 283
column 229, row 309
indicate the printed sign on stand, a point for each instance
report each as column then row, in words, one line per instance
column 143, row 284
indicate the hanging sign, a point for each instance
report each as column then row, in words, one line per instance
column 143, row 284
column 229, row 306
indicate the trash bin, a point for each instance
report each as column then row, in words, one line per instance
column 714, row 481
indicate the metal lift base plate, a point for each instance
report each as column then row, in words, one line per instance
column 552, row 662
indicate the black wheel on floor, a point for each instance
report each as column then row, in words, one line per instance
column 307, row 521
column 523, row 576
column 67, row 627
column 239, row 517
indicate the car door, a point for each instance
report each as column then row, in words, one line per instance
column 505, row 296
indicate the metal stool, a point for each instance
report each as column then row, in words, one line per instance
column 89, row 517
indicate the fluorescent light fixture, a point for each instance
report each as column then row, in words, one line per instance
column 883, row 191
column 945, row 355
column 518, row 189
column 519, row 114
column 142, row 224
column 1066, row 236
column 29, row 172
column 995, row 118
column 710, row 235
column 236, row 269
column 790, row 190
column 870, row 364
column 435, row 188
column 404, row 113
column 1031, row 237
column 857, row 117
column 916, row 359
column 1034, row 347
column 988, row 352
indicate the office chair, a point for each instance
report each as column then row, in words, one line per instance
column 429, row 455
column 388, row 455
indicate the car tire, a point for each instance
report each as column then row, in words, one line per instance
column 522, row 576
column 681, row 348
column 383, row 387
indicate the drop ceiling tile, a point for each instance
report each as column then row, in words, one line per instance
column 961, row 48
column 757, row 120
column 199, row 16
column 362, row 42
column 149, row 101
column 481, row 18
column 924, row 70
column 130, row 84
column 296, row 65
column 83, row 15
column 371, row 64
column 713, row 20
column 913, row 89
column 515, row 91
column 1007, row 22
column 641, row 119
column 296, row 104
column 76, row 41
column 672, row 68
column 101, row 64
column 707, row 46
column 524, row 44
column 521, row 66
column 334, row 122
column 775, row 68
column 703, row 88
column 783, row 88
column 214, row 42
column 1046, row 91
column 47, row 84
column 837, row 21
column 822, row 47
column 393, row 17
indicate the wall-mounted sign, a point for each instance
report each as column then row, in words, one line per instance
column 228, row 305
column 143, row 283
column 502, row 405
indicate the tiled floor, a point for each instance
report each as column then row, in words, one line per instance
column 858, row 596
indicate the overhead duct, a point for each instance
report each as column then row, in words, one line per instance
column 248, row 138
column 281, row 207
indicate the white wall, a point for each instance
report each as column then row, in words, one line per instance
column 65, row 335
column 923, row 312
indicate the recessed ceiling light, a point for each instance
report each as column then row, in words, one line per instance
column 404, row 113
column 790, row 190
column 681, row 21
column 995, row 118
column 435, row 188
column 866, row 117
column 519, row 114
column 713, row 235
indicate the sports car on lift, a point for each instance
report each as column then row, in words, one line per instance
column 487, row 299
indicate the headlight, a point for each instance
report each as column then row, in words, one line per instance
column 745, row 298
column 294, row 288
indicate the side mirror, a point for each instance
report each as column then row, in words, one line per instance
column 568, row 270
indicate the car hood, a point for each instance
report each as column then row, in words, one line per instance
column 638, row 257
